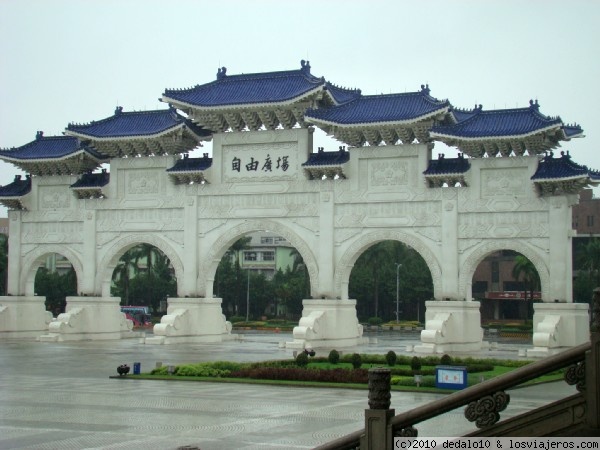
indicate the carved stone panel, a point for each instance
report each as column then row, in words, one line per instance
column 510, row 182
column 253, row 162
column 52, row 232
column 388, row 172
column 54, row 197
column 503, row 225
column 141, row 182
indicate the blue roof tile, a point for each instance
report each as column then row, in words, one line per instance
column 342, row 95
column 18, row 188
column 51, row 147
column 92, row 180
column 447, row 166
column 498, row 123
column 187, row 164
column 323, row 158
column 135, row 123
column 551, row 168
column 381, row 108
column 245, row 89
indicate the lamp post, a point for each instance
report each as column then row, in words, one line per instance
column 248, row 297
column 397, row 289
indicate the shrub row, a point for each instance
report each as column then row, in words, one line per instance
column 298, row 374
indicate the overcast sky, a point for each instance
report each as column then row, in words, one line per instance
column 68, row 61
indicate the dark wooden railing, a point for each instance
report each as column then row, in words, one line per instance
column 484, row 401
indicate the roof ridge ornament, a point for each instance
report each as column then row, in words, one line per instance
column 534, row 105
column 221, row 73
column 39, row 135
column 305, row 67
column 425, row 89
column 118, row 110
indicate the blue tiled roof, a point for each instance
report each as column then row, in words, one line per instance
column 447, row 166
column 18, row 188
column 136, row 123
column 92, row 180
column 342, row 95
column 245, row 89
column 381, row 108
column 460, row 115
column 551, row 168
column 323, row 158
column 51, row 147
column 497, row 123
column 572, row 131
column 187, row 164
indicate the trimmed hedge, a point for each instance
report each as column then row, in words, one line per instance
column 360, row 376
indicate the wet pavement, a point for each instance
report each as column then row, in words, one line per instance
column 60, row 396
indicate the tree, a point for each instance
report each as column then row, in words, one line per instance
column 588, row 257
column 56, row 288
column 122, row 276
column 525, row 268
column 3, row 263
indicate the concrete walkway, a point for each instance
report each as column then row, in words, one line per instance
column 59, row 396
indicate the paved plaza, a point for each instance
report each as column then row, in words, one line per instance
column 60, row 396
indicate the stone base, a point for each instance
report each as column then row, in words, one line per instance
column 327, row 323
column 451, row 326
column 23, row 317
column 89, row 319
column 558, row 326
column 192, row 320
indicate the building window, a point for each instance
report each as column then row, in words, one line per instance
column 249, row 256
column 268, row 256
column 266, row 240
column 590, row 221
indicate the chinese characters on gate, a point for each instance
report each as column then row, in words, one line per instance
column 254, row 165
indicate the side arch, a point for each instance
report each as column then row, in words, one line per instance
column 31, row 262
column 113, row 254
column 468, row 267
column 346, row 263
column 209, row 264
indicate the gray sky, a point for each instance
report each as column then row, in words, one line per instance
column 73, row 61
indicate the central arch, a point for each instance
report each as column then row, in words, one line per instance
column 346, row 262
column 111, row 258
column 218, row 249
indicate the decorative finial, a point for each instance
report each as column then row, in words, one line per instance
column 221, row 73
column 39, row 135
column 425, row 88
column 305, row 66
column 118, row 110
column 534, row 104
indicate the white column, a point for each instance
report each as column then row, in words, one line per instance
column 325, row 250
column 449, row 259
column 87, row 284
column 188, row 286
column 14, row 253
column 560, row 255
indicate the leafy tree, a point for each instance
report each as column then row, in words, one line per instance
column 525, row 268
column 588, row 258
column 122, row 276
column 3, row 263
column 56, row 288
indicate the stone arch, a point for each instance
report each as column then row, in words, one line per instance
column 346, row 262
column 113, row 254
column 209, row 265
column 468, row 267
column 31, row 263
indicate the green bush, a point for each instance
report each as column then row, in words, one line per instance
column 391, row 358
column 446, row 360
column 415, row 364
column 375, row 321
column 234, row 319
column 200, row 370
column 356, row 360
column 302, row 359
column 334, row 357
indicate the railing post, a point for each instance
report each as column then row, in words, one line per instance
column 592, row 367
column 378, row 430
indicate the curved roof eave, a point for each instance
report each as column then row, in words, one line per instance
column 414, row 120
column 60, row 158
column 92, row 137
column 224, row 107
column 435, row 134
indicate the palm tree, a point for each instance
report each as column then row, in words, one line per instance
column 374, row 258
column 122, row 274
column 531, row 278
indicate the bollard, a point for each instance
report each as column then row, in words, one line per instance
column 378, row 430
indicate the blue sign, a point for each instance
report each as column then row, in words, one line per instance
column 450, row 377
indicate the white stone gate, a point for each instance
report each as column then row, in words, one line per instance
column 331, row 206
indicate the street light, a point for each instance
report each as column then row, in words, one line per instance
column 248, row 297
column 397, row 288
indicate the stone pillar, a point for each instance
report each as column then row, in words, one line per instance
column 325, row 250
column 560, row 251
column 190, row 320
column 189, row 284
column 557, row 326
column 378, row 430
column 87, row 284
column 451, row 326
column 449, row 250
column 327, row 323
column 14, row 253
column 23, row 317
